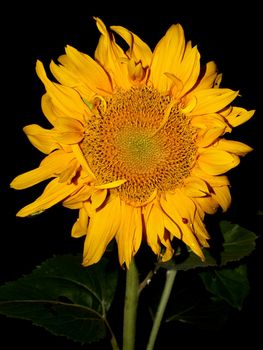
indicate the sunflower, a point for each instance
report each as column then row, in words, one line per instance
column 136, row 144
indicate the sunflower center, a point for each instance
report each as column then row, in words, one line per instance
column 139, row 135
column 137, row 150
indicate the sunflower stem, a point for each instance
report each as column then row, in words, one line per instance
column 170, row 276
column 130, row 307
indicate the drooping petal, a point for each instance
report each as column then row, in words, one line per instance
column 152, row 239
column 199, row 227
column 129, row 235
column 170, row 205
column 51, row 166
column 190, row 216
column 222, row 196
column 102, row 228
column 155, row 228
column 207, row 204
column 80, row 227
column 54, row 193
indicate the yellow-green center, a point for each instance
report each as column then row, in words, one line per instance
column 142, row 137
column 137, row 149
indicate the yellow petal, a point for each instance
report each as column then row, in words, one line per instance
column 167, row 57
column 209, row 121
column 208, row 204
column 237, row 115
column 69, row 130
column 41, row 138
column 154, row 228
column 169, row 251
column 127, row 239
column 112, row 184
column 183, row 205
column 219, row 180
column 199, row 227
column 82, row 160
column 223, row 197
column 212, row 100
column 68, row 174
column 216, row 162
column 139, row 50
column 235, row 147
column 80, row 227
column 75, row 201
column 137, row 239
column 54, row 192
column 208, row 137
column 209, row 76
column 170, row 206
column 189, row 69
column 111, row 56
column 81, row 68
column 51, row 166
column 190, row 223
column 195, row 187
column 49, row 109
column 136, row 71
column 65, row 98
column 103, row 227
column 65, row 75
column 97, row 198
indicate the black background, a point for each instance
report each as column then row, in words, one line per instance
column 228, row 33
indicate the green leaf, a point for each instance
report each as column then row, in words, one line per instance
column 64, row 297
column 231, row 285
column 238, row 242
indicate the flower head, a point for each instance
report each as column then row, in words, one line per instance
column 136, row 144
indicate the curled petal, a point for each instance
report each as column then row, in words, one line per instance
column 138, row 49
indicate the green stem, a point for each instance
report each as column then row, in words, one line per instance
column 113, row 340
column 170, row 276
column 130, row 307
column 114, row 343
